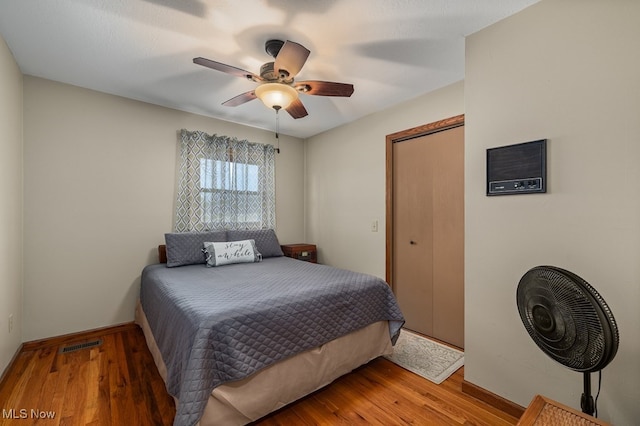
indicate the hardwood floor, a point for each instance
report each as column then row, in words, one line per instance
column 117, row 383
column 382, row 393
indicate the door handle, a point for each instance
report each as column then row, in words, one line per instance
column 413, row 243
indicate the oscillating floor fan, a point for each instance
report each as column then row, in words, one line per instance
column 569, row 321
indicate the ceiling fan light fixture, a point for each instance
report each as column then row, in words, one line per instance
column 276, row 95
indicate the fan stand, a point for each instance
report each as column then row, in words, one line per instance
column 586, row 401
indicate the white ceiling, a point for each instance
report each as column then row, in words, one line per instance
column 390, row 50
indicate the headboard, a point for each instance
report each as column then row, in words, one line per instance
column 162, row 253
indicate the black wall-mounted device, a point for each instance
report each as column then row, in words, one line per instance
column 517, row 169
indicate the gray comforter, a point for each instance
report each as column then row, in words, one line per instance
column 215, row 325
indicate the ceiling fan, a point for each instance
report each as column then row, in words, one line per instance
column 278, row 89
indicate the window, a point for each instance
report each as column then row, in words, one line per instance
column 224, row 183
column 237, row 181
column 240, row 176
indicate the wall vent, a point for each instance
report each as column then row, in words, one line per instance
column 79, row 346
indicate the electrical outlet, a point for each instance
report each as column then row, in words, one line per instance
column 10, row 323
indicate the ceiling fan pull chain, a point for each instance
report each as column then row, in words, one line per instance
column 277, row 108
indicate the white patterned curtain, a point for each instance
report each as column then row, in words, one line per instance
column 224, row 183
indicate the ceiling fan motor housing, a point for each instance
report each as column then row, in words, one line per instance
column 567, row 318
column 267, row 72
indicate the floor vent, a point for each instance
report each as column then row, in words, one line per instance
column 80, row 346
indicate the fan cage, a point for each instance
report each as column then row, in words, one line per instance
column 567, row 318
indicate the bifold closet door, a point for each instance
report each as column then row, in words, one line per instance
column 428, row 233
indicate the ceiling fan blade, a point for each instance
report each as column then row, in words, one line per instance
column 291, row 58
column 297, row 110
column 324, row 88
column 218, row 66
column 240, row 99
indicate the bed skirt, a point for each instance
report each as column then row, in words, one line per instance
column 247, row 400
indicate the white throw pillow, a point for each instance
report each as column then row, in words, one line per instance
column 218, row 254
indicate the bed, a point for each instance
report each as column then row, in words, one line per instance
column 238, row 341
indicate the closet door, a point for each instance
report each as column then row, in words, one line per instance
column 428, row 233
column 413, row 233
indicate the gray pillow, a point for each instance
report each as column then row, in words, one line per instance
column 266, row 240
column 185, row 248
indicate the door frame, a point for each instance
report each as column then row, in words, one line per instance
column 416, row 132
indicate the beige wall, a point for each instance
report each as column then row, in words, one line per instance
column 345, row 188
column 567, row 71
column 10, row 204
column 99, row 196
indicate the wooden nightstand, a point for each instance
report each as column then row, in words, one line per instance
column 306, row 252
